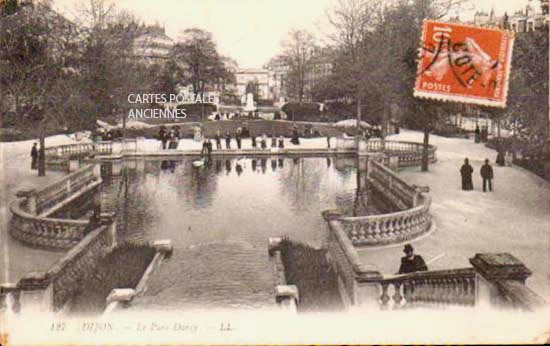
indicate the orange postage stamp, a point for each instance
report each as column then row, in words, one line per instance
column 464, row 63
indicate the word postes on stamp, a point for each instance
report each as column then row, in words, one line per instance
column 464, row 64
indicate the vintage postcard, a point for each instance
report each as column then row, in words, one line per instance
column 178, row 172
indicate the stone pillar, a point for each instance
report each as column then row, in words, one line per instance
column 36, row 292
column 140, row 166
column 74, row 164
column 116, row 167
column 97, row 170
column 273, row 244
column 287, row 297
column 141, row 144
column 502, row 282
column 116, row 148
column 394, row 163
column 363, row 147
column 30, row 195
column 164, row 246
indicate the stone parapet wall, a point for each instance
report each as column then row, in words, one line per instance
column 57, row 285
column 79, row 263
column 44, row 232
column 412, row 220
column 30, row 222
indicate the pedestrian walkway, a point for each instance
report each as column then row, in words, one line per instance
column 18, row 259
column 514, row 218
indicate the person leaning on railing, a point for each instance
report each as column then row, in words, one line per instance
column 411, row 263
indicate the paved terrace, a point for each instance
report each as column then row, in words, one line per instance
column 514, row 218
column 15, row 174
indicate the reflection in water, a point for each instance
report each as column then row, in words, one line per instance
column 238, row 168
column 205, row 205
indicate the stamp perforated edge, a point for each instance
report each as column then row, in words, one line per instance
column 460, row 98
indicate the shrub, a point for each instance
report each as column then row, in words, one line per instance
column 309, row 270
column 121, row 268
column 302, row 111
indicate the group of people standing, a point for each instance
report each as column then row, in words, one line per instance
column 486, row 173
column 170, row 137
column 263, row 140
column 481, row 135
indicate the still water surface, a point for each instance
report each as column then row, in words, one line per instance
column 220, row 216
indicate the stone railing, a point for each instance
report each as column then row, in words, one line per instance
column 412, row 220
column 30, row 222
column 77, row 150
column 286, row 296
column 496, row 280
column 51, row 290
column 431, row 288
column 384, row 229
column 46, row 200
column 406, row 154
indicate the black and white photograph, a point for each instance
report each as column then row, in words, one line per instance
column 178, row 172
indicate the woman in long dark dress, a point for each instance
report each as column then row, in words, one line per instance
column 466, row 172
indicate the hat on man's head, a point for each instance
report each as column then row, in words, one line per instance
column 408, row 248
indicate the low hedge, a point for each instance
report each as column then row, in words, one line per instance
column 121, row 268
column 316, row 280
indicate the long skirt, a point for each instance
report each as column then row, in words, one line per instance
column 467, row 183
column 173, row 145
column 34, row 163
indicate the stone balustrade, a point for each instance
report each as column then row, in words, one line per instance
column 30, row 222
column 495, row 280
column 50, row 196
column 54, row 288
column 429, row 289
column 385, row 229
column 412, row 220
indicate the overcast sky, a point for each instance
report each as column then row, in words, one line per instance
column 249, row 31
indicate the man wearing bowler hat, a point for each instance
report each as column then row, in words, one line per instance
column 411, row 263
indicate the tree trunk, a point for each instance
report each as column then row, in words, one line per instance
column 358, row 125
column 425, row 158
column 41, row 152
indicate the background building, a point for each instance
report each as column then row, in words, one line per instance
column 153, row 45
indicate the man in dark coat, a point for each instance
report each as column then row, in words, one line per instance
column 477, row 134
column 34, row 156
column 238, row 138
column 253, row 139
column 163, row 136
column 466, row 172
column 227, row 140
column 295, row 136
column 487, row 175
column 411, row 263
column 218, row 138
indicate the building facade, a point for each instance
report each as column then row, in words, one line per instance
column 153, row 45
column 533, row 16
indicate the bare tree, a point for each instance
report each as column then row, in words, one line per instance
column 298, row 50
column 354, row 21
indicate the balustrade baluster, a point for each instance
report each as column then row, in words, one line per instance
column 384, row 298
column 397, row 297
column 471, row 291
